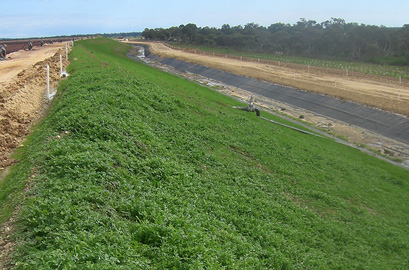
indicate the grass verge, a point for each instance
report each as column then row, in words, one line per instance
column 139, row 169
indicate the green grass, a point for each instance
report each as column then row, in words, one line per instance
column 11, row 190
column 139, row 169
column 385, row 67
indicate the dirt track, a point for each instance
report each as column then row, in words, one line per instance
column 376, row 91
column 23, row 93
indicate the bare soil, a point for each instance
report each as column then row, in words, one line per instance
column 6, row 243
column 23, row 94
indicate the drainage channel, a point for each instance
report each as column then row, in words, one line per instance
column 386, row 124
column 381, row 122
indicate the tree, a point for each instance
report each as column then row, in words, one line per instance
column 226, row 29
column 332, row 38
column 148, row 33
column 190, row 32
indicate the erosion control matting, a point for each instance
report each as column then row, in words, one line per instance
column 387, row 124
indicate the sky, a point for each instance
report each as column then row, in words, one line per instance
column 41, row 18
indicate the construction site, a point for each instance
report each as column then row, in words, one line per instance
column 137, row 164
column 23, row 99
column 23, row 92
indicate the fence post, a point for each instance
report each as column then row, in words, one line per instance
column 60, row 65
column 400, row 80
column 48, row 81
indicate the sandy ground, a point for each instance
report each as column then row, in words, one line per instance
column 376, row 91
column 382, row 88
column 21, row 60
column 23, row 93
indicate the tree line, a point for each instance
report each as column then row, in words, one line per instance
column 331, row 39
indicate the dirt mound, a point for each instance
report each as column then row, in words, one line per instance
column 23, row 98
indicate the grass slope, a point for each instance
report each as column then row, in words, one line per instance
column 138, row 169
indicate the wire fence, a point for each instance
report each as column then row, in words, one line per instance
column 391, row 75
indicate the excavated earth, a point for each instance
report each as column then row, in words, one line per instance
column 23, row 94
column 23, row 100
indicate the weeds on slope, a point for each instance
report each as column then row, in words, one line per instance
column 138, row 169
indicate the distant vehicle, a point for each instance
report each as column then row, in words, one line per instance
column 30, row 45
column 3, row 51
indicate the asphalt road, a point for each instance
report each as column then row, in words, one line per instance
column 384, row 123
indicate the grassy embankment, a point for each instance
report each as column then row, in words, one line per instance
column 138, row 169
column 385, row 68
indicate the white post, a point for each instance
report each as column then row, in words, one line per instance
column 258, row 60
column 66, row 51
column 400, row 80
column 308, row 68
column 60, row 65
column 241, row 58
column 48, row 81
column 347, row 72
column 279, row 63
column 72, row 43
